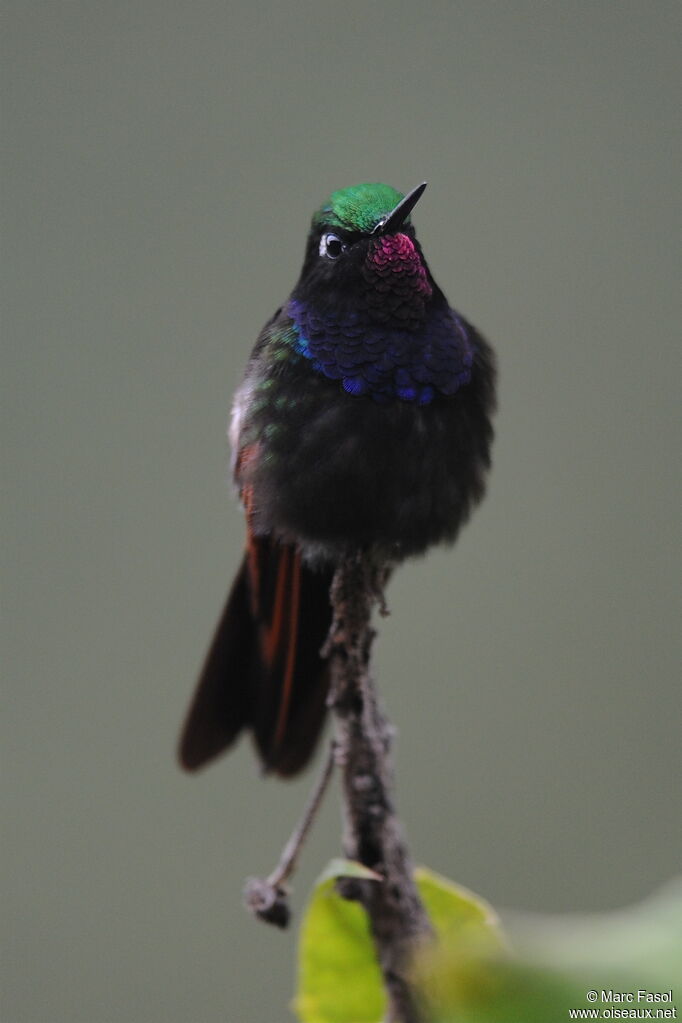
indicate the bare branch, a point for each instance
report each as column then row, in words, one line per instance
column 372, row 832
column 268, row 897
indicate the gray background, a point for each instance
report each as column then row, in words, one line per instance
column 162, row 163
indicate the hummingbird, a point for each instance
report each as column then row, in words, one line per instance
column 363, row 424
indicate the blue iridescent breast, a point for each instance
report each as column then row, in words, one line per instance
column 382, row 361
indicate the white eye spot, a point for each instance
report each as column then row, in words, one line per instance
column 331, row 246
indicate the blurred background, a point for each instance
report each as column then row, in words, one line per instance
column 162, row 162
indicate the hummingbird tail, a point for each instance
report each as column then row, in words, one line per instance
column 263, row 670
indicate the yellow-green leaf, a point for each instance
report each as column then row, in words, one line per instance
column 339, row 978
column 457, row 914
column 559, row 964
column 339, row 867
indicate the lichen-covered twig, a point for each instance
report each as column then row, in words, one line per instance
column 372, row 832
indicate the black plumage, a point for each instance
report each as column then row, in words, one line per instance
column 363, row 423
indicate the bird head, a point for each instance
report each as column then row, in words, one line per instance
column 362, row 251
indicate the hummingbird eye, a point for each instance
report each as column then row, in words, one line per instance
column 331, row 246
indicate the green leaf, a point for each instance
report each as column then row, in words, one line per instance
column 643, row 939
column 461, row 988
column 470, row 975
column 556, row 961
column 457, row 914
column 339, row 978
column 339, row 867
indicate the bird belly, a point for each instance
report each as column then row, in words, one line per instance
column 335, row 471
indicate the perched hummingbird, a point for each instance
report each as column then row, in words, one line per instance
column 362, row 424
